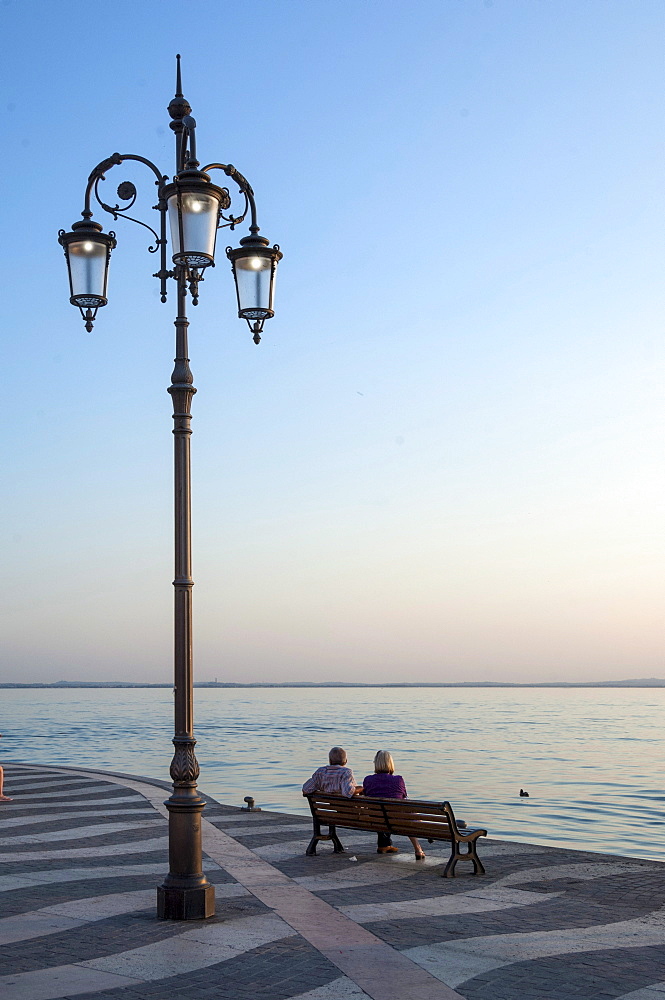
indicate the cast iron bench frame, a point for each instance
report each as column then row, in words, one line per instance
column 403, row 817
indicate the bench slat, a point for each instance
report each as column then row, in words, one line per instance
column 348, row 811
column 418, row 830
column 350, row 805
column 359, row 825
column 415, row 805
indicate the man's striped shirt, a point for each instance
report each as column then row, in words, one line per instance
column 333, row 779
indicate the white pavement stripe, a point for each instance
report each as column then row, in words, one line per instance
column 29, row 782
column 583, row 871
column 476, row 901
column 60, row 981
column 653, row 992
column 90, row 908
column 52, row 920
column 80, row 832
column 18, row 805
column 30, row 879
column 294, row 848
column 338, row 989
column 48, row 777
column 389, row 869
column 108, row 850
column 44, row 771
column 486, row 849
column 27, row 768
column 22, row 785
column 78, row 912
column 55, row 817
column 197, row 949
column 454, row 962
column 67, row 794
column 265, row 828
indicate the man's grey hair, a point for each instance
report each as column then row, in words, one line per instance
column 337, row 756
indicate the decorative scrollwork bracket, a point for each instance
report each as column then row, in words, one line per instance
column 127, row 192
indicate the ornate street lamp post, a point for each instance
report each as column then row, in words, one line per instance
column 196, row 209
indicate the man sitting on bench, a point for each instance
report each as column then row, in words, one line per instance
column 335, row 779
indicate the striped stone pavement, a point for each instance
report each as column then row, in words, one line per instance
column 81, row 854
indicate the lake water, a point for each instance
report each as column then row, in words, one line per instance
column 591, row 759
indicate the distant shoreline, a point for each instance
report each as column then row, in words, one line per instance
column 650, row 682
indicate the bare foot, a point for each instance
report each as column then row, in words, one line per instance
column 5, row 798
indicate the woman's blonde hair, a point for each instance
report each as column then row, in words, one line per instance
column 383, row 763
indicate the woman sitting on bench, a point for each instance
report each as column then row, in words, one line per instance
column 385, row 784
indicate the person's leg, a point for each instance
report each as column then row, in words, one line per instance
column 384, row 844
column 420, row 854
column 3, row 798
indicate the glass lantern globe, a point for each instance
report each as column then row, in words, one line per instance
column 194, row 205
column 254, row 265
column 88, row 252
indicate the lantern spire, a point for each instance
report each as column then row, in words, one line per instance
column 179, row 107
column 178, row 81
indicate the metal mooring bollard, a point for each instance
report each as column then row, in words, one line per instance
column 250, row 807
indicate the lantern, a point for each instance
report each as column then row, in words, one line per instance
column 194, row 208
column 254, row 264
column 88, row 252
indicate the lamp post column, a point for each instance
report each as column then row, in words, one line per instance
column 196, row 208
column 186, row 893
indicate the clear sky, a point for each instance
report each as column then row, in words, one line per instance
column 445, row 460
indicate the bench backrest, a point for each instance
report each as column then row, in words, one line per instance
column 413, row 818
column 409, row 817
column 359, row 812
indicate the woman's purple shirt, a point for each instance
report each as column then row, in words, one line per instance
column 384, row 786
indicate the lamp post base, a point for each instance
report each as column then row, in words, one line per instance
column 186, row 904
column 185, row 893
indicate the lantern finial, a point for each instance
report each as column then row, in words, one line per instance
column 179, row 107
column 178, row 81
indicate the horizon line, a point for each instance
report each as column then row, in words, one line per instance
column 645, row 682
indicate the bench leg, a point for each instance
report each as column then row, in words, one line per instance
column 338, row 846
column 449, row 870
column 311, row 847
column 478, row 868
column 469, row 855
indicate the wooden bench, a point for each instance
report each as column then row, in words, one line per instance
column 403, row 817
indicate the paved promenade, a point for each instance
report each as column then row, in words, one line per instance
column 81, row 854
